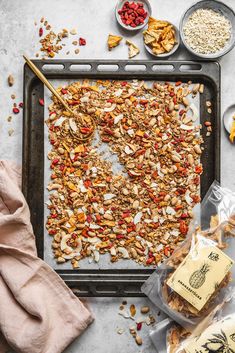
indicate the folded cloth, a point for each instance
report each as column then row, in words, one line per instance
column 38, row 312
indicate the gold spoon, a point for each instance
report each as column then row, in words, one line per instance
column 40, row 75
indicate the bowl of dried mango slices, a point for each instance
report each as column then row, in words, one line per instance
column 161, row 38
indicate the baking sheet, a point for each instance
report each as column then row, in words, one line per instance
column 103, row 149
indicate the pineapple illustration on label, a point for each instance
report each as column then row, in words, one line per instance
column 200, row 273
column 217, row 338
column 198, row 278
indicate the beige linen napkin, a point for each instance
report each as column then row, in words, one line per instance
column 38, row 312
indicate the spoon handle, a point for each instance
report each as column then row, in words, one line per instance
column 47, row 83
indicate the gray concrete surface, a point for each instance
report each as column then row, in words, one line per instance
column 94, row 20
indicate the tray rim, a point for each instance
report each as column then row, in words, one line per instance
column 117, row 277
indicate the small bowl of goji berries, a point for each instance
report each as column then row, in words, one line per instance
column 133, row 15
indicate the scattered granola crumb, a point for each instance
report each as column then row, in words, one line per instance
column 10, row 132
column 9, row 118
column 120, row 331
column 124, row 302
column 77, row 51
column 13, row 96
column 10, row 80
column 73, row 31
column 144, row 310
column 138, row 340
column 75, row 42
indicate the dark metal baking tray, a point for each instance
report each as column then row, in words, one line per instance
column 109, row 282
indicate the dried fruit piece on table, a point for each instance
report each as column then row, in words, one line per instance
column 82, row 41
column 133, row 50
column 15, row 110
column 138, row 340
column 10, row 80
column 144, row 309
column 113, row 41
column 132, row 310
column 232, row 132
column 160, row 36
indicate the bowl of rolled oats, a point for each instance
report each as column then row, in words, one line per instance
column 207, row 29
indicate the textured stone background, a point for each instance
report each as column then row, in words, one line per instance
column 94, row 20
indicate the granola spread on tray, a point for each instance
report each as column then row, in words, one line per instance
column 143, row 212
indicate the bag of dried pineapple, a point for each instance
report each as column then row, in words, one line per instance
column 216, row 336
column 197, row 277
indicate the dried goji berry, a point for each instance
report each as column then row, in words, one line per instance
column 82, row 41
column 183, row 227
column 15, row 110
column 178, row 83
column 41, row 101
column 40, row 31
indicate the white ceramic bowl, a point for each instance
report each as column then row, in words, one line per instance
column 219, row 7
column 164, row 55
column 147, row 8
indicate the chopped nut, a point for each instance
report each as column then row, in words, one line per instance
column 138, row 340
column 144, row 309
column 73, row 31
column 11, row 80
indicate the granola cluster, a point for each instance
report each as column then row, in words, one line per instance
column 144, row 211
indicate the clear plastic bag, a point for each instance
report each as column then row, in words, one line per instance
column 214, row 335
column 196, row 278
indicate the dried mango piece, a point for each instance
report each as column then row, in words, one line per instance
column 232, row 132
column 113, row 41
column 79, row 148
column 155, row 24
column 72, row 186
column 160, row 36
column 108, row 223
column 81, row 217
column 133, row 50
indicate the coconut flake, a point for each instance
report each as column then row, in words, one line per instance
column 188, row 199
column 109, row 196
column 118, row 92
column 118, row 118
column 124, row 252
column 130, row 132
column 170, row 210
column 94, row 226
column 186, row 127
column 60, row 121
column 72, row 125
column 159, row 170
column 84, row 99
column 195, row 112
column 137, row 217
column 128, row 150
column 110, row 109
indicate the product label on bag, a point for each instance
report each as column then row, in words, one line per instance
column 200, row 273
column 218, row 337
